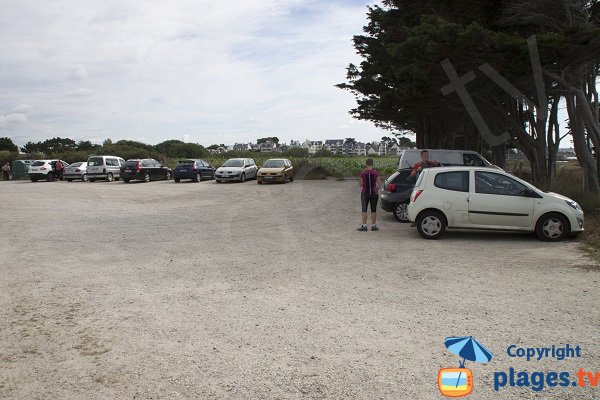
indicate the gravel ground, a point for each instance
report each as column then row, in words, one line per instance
column 246, row 291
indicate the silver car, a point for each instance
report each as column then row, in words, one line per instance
column 236, row 169
column 107, row 168
column 76, row 171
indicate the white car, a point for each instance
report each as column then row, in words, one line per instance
column 43, row 169
column 482, row 198
column 76, row 170
column 236, row 169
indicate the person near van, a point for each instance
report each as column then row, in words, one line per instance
column 370, row 182
column 425, row 163
column 6, row 171
column 58, row 169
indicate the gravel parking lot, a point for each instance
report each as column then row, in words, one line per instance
column 246, row 291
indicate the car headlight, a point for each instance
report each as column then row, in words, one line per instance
column 573, row 204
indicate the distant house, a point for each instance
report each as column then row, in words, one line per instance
column 336, row 146
column 266, row 147
column 393, row 149
column 242, row 147
column 360, row 149
column 372, row 150
column 314, row 146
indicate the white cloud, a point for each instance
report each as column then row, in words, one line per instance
column 196, row 67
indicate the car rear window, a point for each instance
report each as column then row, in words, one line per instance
column 75, row 165
column 38, row 163
column 130, row 163
column 93, row 161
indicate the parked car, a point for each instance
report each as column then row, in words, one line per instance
column 484, row 198
column 43, row 169
column 395, row 194
column 144, row 170
column 448, row 158
column 276, row 170
column 196, row 170
column 107, row 168
column 236, row 169
column 75, row 171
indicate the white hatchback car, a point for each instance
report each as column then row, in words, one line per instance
column 480, row 198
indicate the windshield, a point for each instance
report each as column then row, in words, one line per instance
column 274, row 164
column 93, row 161
column 233, row 163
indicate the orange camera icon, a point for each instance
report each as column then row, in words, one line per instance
column 455, row 382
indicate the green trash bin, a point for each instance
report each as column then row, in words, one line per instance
column 20, row 168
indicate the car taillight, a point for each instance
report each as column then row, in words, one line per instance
column 43, row 168
column 139, row 167
column 416, row 195
column 391, row 188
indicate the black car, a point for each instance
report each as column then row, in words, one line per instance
column 396, row 193
column 144, row 170
column 196, row 170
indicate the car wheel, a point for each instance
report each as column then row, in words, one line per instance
column 33, row 179
column 177, row 180
column 50, row 177
column 91, row 180
column 292, row 178
column 69, row 180
column 284, row 180
column 401, row 213
column 146, row 177
column 125, row 180
column 552, row 227
column 197, row 178
column 109, row 177
column 84, row 178
column 259, row 181
column 168, row 176
column 217, row 181
column 243, row 178
column 431, row 224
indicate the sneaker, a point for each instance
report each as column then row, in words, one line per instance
column 374, row 228
column 362, row 228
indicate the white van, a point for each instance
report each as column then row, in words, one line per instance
column 448, row 158
column 107, row 168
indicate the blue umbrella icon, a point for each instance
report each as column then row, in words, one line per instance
column 469, row 349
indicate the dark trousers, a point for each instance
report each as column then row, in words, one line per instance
column 6, row 175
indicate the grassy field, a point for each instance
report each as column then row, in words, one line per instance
column 339, row 167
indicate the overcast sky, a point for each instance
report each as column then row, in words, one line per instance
column 196, row 70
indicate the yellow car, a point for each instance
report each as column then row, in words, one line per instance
column 276, row 170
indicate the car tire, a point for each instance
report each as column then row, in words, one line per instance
column 110, row 177
column 198, row 178
column 84, row 178
column 91, row 180
column 177, row 180
column 50, row 177
column 284, row 180
column 33, row 179
column 125, row 180
column 217, row 181
column 431, row 224
column 552, row 227
column 243, row 178
column 292, row 178
column 400, row 213
column 146, row 177
column 259, row 181
column 69, row 180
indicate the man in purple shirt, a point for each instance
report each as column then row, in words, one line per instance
column 370, row 182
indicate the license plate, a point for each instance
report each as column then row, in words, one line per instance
column 127, row 170
column 268, row 177
column 182, row 170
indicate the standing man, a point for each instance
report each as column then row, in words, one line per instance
column 425, row 163
column 58, row 168
column 370, row 182
column 6, row 171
